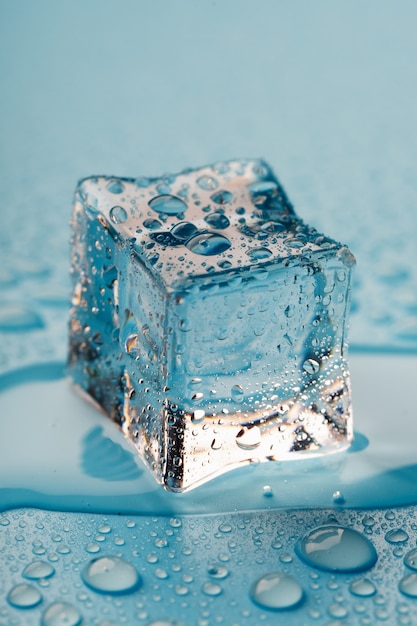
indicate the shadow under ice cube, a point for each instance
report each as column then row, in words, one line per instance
column 208, row 321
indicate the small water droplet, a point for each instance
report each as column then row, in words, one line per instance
column 211, row 589
column 362, row 587
column 24, row 596
column 222, row 197
column 397, row 535
column 115, row 186
column 208, row 244
column 61, row 614
column 337, row 549
column 37, row 570
column 217, row 220
column 198, row 416
column 237, row 393
column 168, row 205
column 267, row 491
column 277, row 591
column 338, row 497
column 118, row 215
column 111, row 574
column 218, row 571
column 259, row 253
column 311, row 366
column 183, row 230
column 152, row 224
column 208, row 183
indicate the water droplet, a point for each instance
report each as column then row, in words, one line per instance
column 198, row 416
column 225, row 528
column 338, row 497
column 237, row 393
column 277, row 591
column 218, row 571
column 118, row 215
column 338, row 611
column 211, row 589
column 24, row 596
column 362, row 587
column 397, row 535
column 208, row 183
column 217, row 220
column 222, row 197
column 337, row 549
column 259, row 253
column 208, row 244
column 183, row 230
column 151, row 224
column 168, row 205
column 408, row 585
column 115, row 186
column 61, row 614
column 410, row 559
column 267, row 491
column 111, row 574
column 248, row 437
column 311, row 366
column 37, row 570
column 165, row 622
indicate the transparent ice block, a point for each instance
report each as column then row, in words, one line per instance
column 209, row 321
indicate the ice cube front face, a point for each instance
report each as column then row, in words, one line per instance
column 209, row 321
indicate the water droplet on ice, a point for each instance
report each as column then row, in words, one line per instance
column 24, row 596
column 168, row 205
column 37, row 570
column 337, row 549
column 111, row 574
column 277, row 591
column 61, row 614
column 208, row 244
column 118, row 215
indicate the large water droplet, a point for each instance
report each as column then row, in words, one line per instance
column 408, row 585
column 217, row 220
column 248, row 437
column 337, row 549
column 37, row 570
column 410, row 559
column 184, row 230
column 362, row 587
column 115, row 186
column 61, row 614
column 118, row 215
column 208, row 244
column 24, row 596
column 111, row 574
column 168, row 205
column 151, row 224
column 277, row 591
column 208, row 183
column 397, row 535
column 311, row 366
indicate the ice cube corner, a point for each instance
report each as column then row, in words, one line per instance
column 208, row 320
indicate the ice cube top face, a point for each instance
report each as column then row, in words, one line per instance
column 208, row 320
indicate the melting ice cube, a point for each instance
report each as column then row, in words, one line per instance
column 208, row 321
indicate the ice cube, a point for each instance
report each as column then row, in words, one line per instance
column 209, row 321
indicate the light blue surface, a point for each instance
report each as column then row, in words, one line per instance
column 327, row 93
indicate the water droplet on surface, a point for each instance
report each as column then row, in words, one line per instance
column 237, row 393
column 267, row 491
column 338, row 497
column 24, row 596
column 217, row 220
column 397, row 535
column 118, row 215
column 111, row 574
column 37, row 570
column 115, row 186
column 151, row 224
column 168, row 205
column 208, row 244
column 248, row 437
column 61, row 614
column 410, row 559
column 408, row 585
column 277, row 591
column 183, row 230
column 337, row 549
column 311, row 366
column 211, row 589
column 208, row 183
column 222, row 197
column 259, row 253
column 218, row 571
column 165, row 622
column 362, row 587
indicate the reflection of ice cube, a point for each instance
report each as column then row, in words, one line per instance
column 208, row 320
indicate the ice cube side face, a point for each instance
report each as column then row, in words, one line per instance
column 208, row 321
